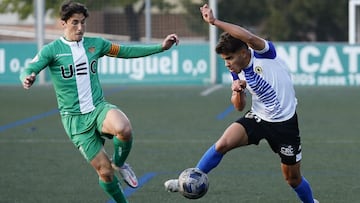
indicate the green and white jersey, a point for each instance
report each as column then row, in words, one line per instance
column 73, row 70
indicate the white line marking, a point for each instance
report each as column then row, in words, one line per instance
column 210, row 90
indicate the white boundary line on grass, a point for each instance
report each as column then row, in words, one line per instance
column 210, row 90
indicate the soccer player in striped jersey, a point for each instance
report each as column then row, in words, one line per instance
column 72, row 61
column 255, row 67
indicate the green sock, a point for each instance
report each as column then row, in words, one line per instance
column 121, row 151
column 114, row 190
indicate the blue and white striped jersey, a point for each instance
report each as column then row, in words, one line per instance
column 270, row 84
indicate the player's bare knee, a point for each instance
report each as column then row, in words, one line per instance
column 124, row 133
column 106, row 173
column 293, row 181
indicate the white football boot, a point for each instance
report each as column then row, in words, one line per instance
column 127, row 174
column 172, row 185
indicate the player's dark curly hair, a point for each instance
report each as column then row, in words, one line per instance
column 69, row 8
column 228, row 44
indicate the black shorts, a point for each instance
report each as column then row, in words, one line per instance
column 283, row 137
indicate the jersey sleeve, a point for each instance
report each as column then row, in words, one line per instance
column 268, row 52
column 38, row 63
column 106, row 47
column 131, row 51
column 135, row 51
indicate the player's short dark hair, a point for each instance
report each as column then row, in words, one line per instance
column 69, row 8
column 229, row 44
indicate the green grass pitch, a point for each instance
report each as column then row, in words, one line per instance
column 173, row 126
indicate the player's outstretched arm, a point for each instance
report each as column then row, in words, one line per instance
column 135, row 51
column 253, row 41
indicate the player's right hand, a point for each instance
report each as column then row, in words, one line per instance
column 238, row 85
column 207, row 14
column 29, row 80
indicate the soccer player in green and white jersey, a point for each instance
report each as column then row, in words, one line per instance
column 72, row 62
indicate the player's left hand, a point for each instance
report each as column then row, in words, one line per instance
column 169, row 41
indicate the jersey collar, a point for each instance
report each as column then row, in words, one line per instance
column 71, row 43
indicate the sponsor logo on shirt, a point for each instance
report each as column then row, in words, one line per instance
column 287, row 150
column 61, row 55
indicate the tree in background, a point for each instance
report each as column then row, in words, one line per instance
column 246, row 13
column 282, row 20
column 133, row 15
column 25, row 8
column 307, row 20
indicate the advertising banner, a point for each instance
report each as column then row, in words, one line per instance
column 185, row 64
column 13, row 58
column 318, row 64
column 310, row 64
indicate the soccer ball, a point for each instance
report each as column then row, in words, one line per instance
column 193, row 183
